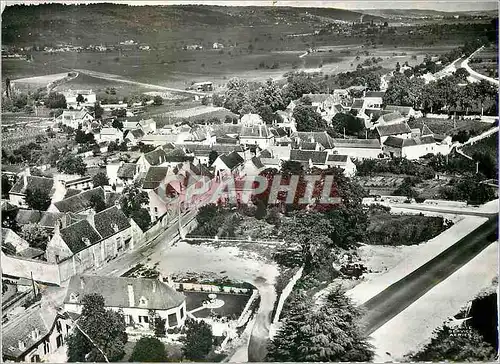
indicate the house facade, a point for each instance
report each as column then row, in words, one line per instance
column 138, row 300
column 343, row 162
column 399, row 130
column 75, row 118
column 358, row 148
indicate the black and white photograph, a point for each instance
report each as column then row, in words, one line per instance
column 249, row 181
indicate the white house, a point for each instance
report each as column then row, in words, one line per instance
column 309, row 158
column 109, row 135
column 343, row 162
column 230, row 163
column 410, row 148
column 35, row 335
column 358, row 148
column 391, row 118
column 257, row 135
column 399, row 130
column 75, row 118
column 139, row 300
column 89, row 99
column 373, row 99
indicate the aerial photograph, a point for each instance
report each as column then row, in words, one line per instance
column 249, row 181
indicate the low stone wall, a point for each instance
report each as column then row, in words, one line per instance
column 210, row 288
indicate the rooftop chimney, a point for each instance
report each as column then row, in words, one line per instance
column 25, row 178
column 154, row 285
column 90, row 217
column 131, row 298
column 82, row 283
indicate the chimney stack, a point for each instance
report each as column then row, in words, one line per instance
column 25, row 178
column 154, row 285
column 90, row 217
column 82, row 283
column 131, row 298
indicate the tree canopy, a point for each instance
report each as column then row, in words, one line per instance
column 106, row 328
column 330, row 332
column 100, row 179
column 308, row 119
column 71, row 164
column 149, row 350
column 198, row 341
column 38, row 199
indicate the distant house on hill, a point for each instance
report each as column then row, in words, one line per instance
column 75, row 118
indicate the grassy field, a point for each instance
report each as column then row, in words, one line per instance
column 449, row 126
column 488, row 61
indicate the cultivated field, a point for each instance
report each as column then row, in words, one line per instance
column 485, row 61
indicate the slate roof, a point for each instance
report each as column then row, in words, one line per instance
column 154, row 177
column 257, row 162
column 155, row 157
column 115, row 290
column 320, row 137
column 126, row 170
column 357, row 143
column 137, row 133
column 374, row 94
column 231, row 160
column 357, row 104
column 337, row 158
column 393, row 129
column 21, row 328
column 31, row 253
column 266, row 154
column 426, row 130
column 12, row 168
column 316, row 157
column 307, row 145
column 403, row 110
column 33, row 182
column 270, row 161
column 257, row 132
column 44, row 218
column 391, row 117
column 105, row 220
column 400, row 143
column 71, row 192
column 80, row 202
column 74, row 235
column 177, row 156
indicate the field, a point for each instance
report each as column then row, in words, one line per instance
column 485, row 61
column 449, row 126
column 180, row 68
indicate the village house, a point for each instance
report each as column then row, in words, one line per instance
column 218, row 46
column 147, row 126
column 17, row 193
column 309, row 158
column 202, row 152
column 13, row 244
column 162, row 156
column 155, row 178
column 89, row 99
column 280, row 134
column 91, row 242
column 139, row 300
column 358, row 148
column 373, row 99
column 324, row 105
column 80, row 183
column 406, row 111
column 409, row 148
column 320, row 137
column 391, row 118
column 35, row 334
column 343, row 162
column 285, row 120
column 45, row 219
column 228, row 164
column 126, row 175
column 109, row 135
column 253, row 167
column 203, row 86
column 75, row 118
column 256, row 135
column 399, row 130
column 77, row 204
column 162, row 139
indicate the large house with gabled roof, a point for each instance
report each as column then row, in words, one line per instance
column 91, row 242
column 139, row 300
column 17, row 193
column 79, row 203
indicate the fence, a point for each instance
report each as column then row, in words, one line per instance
column 209, row 288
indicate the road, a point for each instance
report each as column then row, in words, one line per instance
column 474, row 74
column 105, row 76
column 393, row 300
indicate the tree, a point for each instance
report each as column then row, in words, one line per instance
column 160, row 328
column 106, row 328
column 198, row 341
column 212, row 156
column 217, row 100
column 80, row 99
column 133, row 199
column 56, row 101
column 38, row 199
column 72, row 165
column 149, row 350
column 308, row 119
column 97, row 203
column 6, row 186
column 100, row 179
column 261, row 210
column 35, row 235
column 269, row 95
column 350, row 123
column 117, row 124
column 205, row 100
column 98, row 110
column 237, row 95
column 157, row 100
column 314, row 334
column 461, row 344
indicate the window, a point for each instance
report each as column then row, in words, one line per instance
column 58, row 326
column 67, row 328
column 143, row 301
column 35, row 358
column 182, row 312
column 46, row 347
column 59, row 340
column 156, row 209
column 144, row 319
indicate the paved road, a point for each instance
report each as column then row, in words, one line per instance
column 390, row 302
column 442, row 209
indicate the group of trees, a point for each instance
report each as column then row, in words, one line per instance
column 330, row 332
column 368, row 167
column 445, row 93
column 72, row 164
column 132, row 202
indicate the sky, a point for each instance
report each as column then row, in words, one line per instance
column 451, row 5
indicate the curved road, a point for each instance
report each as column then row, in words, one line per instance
column 474, row 74
column 390, row 302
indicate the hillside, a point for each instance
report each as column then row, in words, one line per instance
column 418, row 14
column 56, row 23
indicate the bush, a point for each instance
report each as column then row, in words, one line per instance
column 149, row 349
